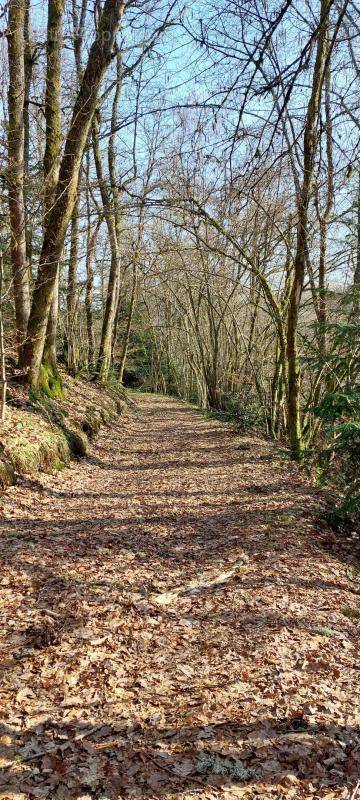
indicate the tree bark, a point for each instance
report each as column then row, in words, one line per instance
column 71, row 289
column 15, row 176
column 52, row 151
column 28, row 66
column 2, row 348
column 130, row 318
column 111, row 205
column 90, row 247
column 105, row 350
column 357, row 264
column 324, row 218
column 294, row 378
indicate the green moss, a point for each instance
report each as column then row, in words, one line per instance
column 60, row 425
column 106, row 413
column 92, row 421
column 50, row 383
column 76, row 438
column 37, row 448
column 120, row 406
column 351, row 613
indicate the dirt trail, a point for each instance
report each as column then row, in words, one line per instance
column 176, row 623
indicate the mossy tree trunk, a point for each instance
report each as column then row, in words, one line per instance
column 52, row 152
column 15, row 175
column 99, row 58
column 310, row 137
column 71, row 299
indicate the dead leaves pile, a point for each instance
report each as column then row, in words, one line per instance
column 173, row 624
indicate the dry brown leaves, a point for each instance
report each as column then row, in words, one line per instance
column 173, row 626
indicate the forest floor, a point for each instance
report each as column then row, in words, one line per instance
column 177, row 621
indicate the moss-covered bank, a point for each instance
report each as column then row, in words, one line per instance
column 43, row 433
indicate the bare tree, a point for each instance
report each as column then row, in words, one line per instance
column 15, row 176
column 52, row 152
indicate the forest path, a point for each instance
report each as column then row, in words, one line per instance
column 173, row 623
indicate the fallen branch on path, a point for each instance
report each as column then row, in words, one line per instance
column 197, row 586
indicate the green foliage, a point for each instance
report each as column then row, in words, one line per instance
column 339, row 404
column 145, row 369
column 340, row 458
column 245, row 410
column 59, row 465
column 138, row 363
column 339, row 408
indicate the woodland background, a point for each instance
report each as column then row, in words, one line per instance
column 179, row 207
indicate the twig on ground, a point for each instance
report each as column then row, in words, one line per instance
column 353, row 795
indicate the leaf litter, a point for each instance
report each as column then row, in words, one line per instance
column 162, row 623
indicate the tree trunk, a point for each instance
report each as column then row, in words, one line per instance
column 28, row 66
column 324, row 217
column 294, row 378
column 91, row 240
column 111, row 205
column 71, row 290
column 98, row 61
column 105, row 350
column 15, row 177
column 357, row 265
column 91, row 237
column 128, row 324
column 52, row 152
column 2, row 347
